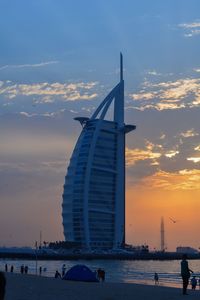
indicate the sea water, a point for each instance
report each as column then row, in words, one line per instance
column 128, row 271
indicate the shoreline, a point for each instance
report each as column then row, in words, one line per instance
column 116, row 272
column 147, row 282
column 31, row 287
column 132, row 256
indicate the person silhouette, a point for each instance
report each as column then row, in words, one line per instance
column 57, row 274
column 193, row 282
column 22, row 269
column 63, row 269
column 185, row 273
column 40, row 270
column 156, row 278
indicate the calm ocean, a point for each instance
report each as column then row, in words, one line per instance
column 116, row 270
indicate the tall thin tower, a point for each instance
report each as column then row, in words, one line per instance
column 162, row 235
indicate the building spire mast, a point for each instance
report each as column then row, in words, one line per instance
column 121, row 66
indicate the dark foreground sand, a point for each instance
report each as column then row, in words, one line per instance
column 28, row 287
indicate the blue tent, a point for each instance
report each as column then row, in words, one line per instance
column 80, row 273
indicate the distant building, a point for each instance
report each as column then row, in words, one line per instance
column 186, row 250
column 93, row 208
column 162, row 235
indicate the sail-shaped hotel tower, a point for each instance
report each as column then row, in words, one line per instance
column 94, row 190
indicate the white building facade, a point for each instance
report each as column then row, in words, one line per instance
column 93, row 206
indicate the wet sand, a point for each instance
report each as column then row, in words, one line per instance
column 30, row 287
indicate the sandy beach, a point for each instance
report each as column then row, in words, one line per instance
column 30, row 287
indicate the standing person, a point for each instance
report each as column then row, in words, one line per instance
column 22, row 269
column 156, row 278
column 103, row 275
column 26, row 269
column 185, row 273
column 2, row 286
column 11, row 269
column 6, row 268
column 40, row 270
column 99, row 274
column 63, row 270
column 193, row 283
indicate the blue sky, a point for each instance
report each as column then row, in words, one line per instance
column 58, row 60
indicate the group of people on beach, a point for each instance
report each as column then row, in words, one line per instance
column 24, row 269
column 185, row 274
column 11, row 268
column 100, row 273
column 62, row 274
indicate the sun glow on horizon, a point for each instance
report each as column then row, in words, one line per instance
column 145, row 206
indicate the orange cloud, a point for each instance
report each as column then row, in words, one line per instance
column 177, row 94
column 151, row 152
column 194, row 159
column 181, row 180
column 197, row 148
column 134, row 155
column 143, row 96
column 171, row 153
column 67, row 91
column 181, row 89
column 189, row 133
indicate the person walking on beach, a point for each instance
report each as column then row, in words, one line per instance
column 2, row 286
column 156, row 278
column 185, row 273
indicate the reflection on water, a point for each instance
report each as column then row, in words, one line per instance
column 116, row 270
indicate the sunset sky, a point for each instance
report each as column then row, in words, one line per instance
column 58, row 60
